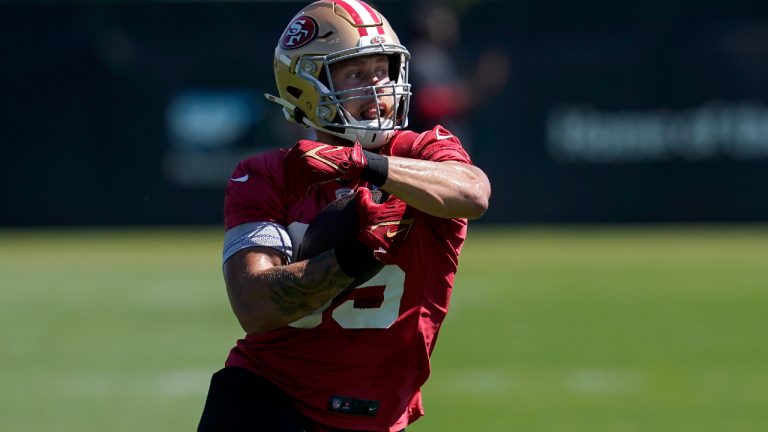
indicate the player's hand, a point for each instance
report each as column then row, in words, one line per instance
column 383, row 227
column 309, row 163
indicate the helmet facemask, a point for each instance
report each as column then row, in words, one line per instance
column 333, row 118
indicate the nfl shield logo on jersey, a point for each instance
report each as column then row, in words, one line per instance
column 336, row 403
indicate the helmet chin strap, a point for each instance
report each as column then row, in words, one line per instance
column 288, row 108
column 369, row 139
column 372, row 139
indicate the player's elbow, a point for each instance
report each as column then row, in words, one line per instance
column 477, row 197
column 469, row 201
column 476, row 193
column 251, row 309
column 476, row 206
column 255, row 317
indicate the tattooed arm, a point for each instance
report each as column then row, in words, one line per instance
column 265, row 294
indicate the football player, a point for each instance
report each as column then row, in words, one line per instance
column 318, row 356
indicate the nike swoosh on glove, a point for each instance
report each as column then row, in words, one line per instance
column 310, row 163
column 383, row 227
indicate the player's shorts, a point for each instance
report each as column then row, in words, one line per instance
column 239, row 400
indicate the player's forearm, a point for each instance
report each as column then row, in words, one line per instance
column 443, row 189
column 268, row 299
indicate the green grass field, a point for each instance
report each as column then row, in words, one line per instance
column 551, row 329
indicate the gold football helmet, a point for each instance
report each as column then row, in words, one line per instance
column 326, row 32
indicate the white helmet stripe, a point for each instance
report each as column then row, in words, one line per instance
column 362, row 14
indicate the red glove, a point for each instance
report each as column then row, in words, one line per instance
column 383, row 227
column 309, row 163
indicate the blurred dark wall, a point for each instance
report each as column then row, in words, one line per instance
column 613, row 111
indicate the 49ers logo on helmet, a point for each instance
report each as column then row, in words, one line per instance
column 378, row 40
column 299, row 32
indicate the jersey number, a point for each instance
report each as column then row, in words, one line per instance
column 376, row 304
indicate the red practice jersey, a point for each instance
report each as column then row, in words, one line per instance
column 360, row 361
